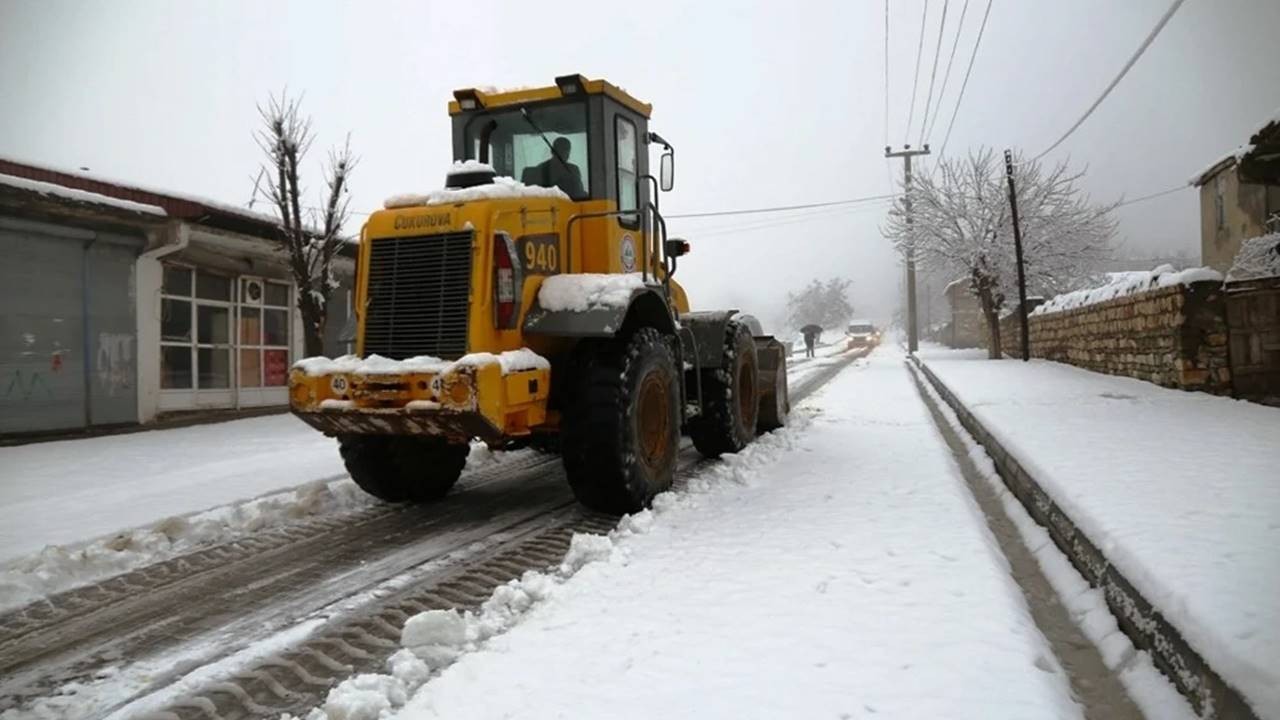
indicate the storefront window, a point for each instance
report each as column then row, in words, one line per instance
column 177, row 280
column 175, row 320
column 213, row 324
column 218, row 332
column 277, row 294
column 214, row 367
column 213, row 287
column 175, row 367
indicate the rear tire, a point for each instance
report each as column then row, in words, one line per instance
column 730, row 397
column 403, row 469
column 621, row 433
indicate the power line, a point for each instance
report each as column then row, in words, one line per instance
column 754, row 211
column 933, row 74
column 981, row 28
column 946, row 76
column 1123, row 71
column 1152, row 196
column 824, row 213
column 886, row 72
column 906, row 136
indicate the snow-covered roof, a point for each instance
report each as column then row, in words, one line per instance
column 1121, row 284
column 174, row 204
column 79, row 196
column 1259, row 257
column 1234, row 156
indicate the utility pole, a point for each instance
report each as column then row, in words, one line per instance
column 913, row 329
column 1017, row 249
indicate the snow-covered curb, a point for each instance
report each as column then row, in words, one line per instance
column 1121, row 284
column 435, row 639
column 510, row 361
column 1146, row 685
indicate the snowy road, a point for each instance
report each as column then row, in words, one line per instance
column 160, row 631
column 840, row 567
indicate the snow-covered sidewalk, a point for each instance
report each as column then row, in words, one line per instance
column 1180, row 491
column 838, row 568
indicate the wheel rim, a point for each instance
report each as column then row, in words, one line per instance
column 654, row 419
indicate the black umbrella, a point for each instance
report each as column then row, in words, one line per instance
column 811, row 329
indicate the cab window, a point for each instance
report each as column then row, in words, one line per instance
column 521, row 147
column 628, row 167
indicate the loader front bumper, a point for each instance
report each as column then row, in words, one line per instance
column 458, row 403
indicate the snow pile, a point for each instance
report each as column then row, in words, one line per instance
column 510, row 361
column 469, row 166
column 588, row 291
column 435, row 639
column 502, row 188
column 1259, row 257
column 66, row 193
column 1121, row 284
column 1142, row 471
column 61, row 567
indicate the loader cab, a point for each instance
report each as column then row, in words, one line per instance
column 587, row 137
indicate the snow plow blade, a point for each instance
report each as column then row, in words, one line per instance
column 462, row 403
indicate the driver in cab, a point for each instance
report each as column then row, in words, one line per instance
column 557, row 171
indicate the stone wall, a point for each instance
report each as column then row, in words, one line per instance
column 1173, row 336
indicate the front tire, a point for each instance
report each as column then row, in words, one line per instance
column 403, row 468
column 621, row 434
column 730, row 397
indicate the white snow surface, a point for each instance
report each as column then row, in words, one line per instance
column 77, row 511
column 588, row 291
column 1154, row 694
column 73, row 511
column 84, row 196
column 1121, row 284
column 509, row 360
column 1178, row 489
column 837, row 568
column 501, row 188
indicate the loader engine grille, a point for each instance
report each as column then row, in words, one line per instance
column 418, row 288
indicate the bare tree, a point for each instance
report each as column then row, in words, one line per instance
column 961, row 225
column 311, row 238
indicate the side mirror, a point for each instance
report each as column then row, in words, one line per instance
column 667, row 171
column 677, row 247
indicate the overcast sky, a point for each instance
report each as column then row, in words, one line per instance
column 767, row 103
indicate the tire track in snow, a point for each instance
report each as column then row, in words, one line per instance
column 228, row 598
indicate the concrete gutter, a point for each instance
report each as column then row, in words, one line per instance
column 1210, row 695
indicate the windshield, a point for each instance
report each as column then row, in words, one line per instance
column 521, row 147
column 861, row 329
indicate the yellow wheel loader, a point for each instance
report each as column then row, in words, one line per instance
column 533, row 300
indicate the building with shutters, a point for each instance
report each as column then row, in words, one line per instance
column 119, row 304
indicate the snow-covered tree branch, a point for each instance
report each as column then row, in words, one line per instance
column 960, row 223
column 314, row 237
column 820, row 303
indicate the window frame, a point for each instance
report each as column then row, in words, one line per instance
column 634, row 212
column 473, row 136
